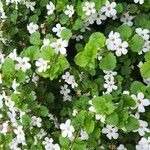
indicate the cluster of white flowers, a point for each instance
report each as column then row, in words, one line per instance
column 114, row 43
column 67, row 129
column 139, row 1
column 109, row 81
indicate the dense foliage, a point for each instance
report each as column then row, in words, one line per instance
column 75, row 75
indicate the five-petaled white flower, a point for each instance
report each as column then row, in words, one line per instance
column 70, row 11
column 32, row 27
column 141, row 102
column 143, row 33
column 89, row 8
column 36, row 121
column 110, row 131
column 60, row 46
column 23, row 64
column 67, row 129
column 109, row 9
column 144, row 144
column 50, row 8
column 58, row 29
column 42, row 65
column 65, row 90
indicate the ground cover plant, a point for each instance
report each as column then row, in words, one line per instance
column 74, row 75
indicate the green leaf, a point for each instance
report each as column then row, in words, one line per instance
column 147, row 56
column 136, row 87
column 43, row 111
column 64, row 142
column 8, row 70
column 145, row 70
column 32, row 52
column 47, row 53
column 35, row 38
column 103, row 106
column 89, row 124
column 132, row 124
column 63, row 63
column 14, row 16
column 108, row 63
column 136, row 43
column 128, row 101
column 112, row 119
column 66, row 34
column 125, row 32
column 79, row 145
column 20, row 76
column 81, row 59
column 97, row 39
column 78, row 24
column 119, row 8
column 26, row 119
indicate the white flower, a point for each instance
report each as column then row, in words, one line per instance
column 4, row 129
column 64, row 90
column 110, row 85
column 113, row 38
column 121, row 48
column 1, row 78
column 127, row 19
column 42, row 65
column 100, row 17
column 60, row 46
column 121, row 147
column 20, row 135
column 66, row 77
column 50, row 8
column 70, row 11
column 15, row 85
column 143, row 128
column 30, row 5
column 110, row 131
column 23, row 64
column 32, row 27
column 58, row 29
column 89, row 8
column 144, row 144
column 67, row 129
column 139, row 1
column 46, row 42
column 75, row 112
column 143, row 33
column 1, row 101
column 13, row 55
column 109, row 75
column 83, row 135
column 48, row 143
column 100, row 117
column 36, row 121
column 109, row 9
column 67, row 98
column 146, row 47
column 140, row 101
column 77, row 37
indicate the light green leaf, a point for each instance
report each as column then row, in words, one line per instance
column 145, row 70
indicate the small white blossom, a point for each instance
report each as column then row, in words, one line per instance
column 36, row 121
column 109, row 9
column 42, row 65
column 83, row 135
column 100, row 117
column 50, row 8
column 23, row 64
column 13, row 55
column 70, row 11
column 143, row 33
column 110, row 131
column 58, row 29
column 32, row 27
column 110, row 86
column 127, row 19
column 121, row 147
column 60, row 46
column 89, row 8
column 144, row 144
column 141, row 102
column 64, row 90
column 30, row 5
column 67, row 129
